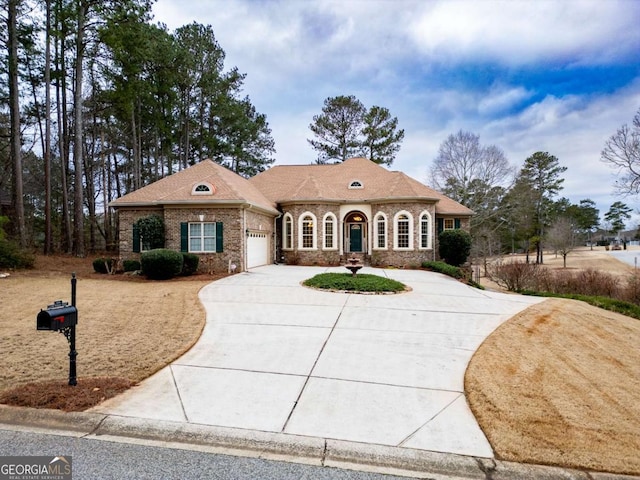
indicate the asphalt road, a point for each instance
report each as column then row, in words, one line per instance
column 632, row 257
column 105, row 460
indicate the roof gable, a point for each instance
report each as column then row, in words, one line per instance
column 181, row 187
column 293, row 183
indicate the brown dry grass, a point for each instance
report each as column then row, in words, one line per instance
column 128, row 328
column 559, row 383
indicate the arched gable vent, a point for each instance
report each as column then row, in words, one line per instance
column 203, row 188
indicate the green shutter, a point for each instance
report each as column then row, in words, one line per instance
column 136, row 238
column 184, row 237
column 456, row 222
column 440, row 225
column 219, row 239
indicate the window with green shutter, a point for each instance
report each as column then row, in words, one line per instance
column 136, row 238
column 201, row 237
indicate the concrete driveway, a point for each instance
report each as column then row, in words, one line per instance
column 379, row 369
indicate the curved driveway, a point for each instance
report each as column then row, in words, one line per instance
column 380, row 369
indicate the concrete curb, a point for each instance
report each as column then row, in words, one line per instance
column 285, row 447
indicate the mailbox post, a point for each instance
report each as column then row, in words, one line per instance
column 62, row 317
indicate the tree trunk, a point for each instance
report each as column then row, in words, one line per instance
column 78, row 227
column 14, row 112
column 137, row 174
column 106, row 192
column 63, row 132
column 48, row 234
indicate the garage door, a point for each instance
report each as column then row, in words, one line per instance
column 257, row 250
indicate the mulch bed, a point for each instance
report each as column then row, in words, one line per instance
column 59, row 395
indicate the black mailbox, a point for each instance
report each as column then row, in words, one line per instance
column 57, row 317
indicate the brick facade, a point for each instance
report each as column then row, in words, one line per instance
column 389, row 255
column 237, row 222
column 353, row 195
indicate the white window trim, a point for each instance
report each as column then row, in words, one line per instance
column 395, row 231
column 314, row 232
column 287, row 216
column 429, row 231
column 376, row 219
column 334, row 236
column 444, row 224
column 202, row 237
column 358, row 186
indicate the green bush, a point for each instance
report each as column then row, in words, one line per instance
column 12, row 256
column 103, row 265
column 190, row 263
column 161, row 263
column 454, row 246
column 151, row 230
column 445, row 268
column 131, row 265
column 362, row 282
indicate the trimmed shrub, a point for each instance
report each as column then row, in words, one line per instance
column 445, row 268
column 454, row 246
column 363, row 282
column 102, row 265
column 161, row 263
column 151, row 230
column 190, row 263
column 131, row 265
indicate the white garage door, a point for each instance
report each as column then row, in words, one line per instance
column 257, row 250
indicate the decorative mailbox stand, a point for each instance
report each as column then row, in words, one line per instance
column 62, row 317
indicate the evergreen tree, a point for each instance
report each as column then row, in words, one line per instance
column 346, row 129
column 338, row 129
column 616, row 216
column 541, row 175
column 382, row 138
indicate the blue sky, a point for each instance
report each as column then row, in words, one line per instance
column 555, row 76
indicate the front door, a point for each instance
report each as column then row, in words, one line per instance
column 355, row 237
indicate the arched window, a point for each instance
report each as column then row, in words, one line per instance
column 403, row 238
column 380, row 231
column 356, row 184
column 287, row 232
column 330, row 232
column 425, row 230
column 307, row 232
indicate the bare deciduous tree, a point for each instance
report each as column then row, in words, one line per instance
column 461, row 159
column 469, row 172
column 622, row 152
column 561, row 237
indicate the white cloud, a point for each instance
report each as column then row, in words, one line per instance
column 574, row 129
column 389, row 53
column 501, row 98
column 519, row 32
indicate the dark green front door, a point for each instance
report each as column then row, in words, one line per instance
column 355, row 237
